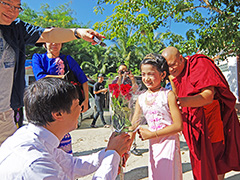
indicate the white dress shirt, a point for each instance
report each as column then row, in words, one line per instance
column 32, row 153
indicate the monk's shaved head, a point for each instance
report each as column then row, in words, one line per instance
column 174, row 59
column 170, row 52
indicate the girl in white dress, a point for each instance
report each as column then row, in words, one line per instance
column 159, row 107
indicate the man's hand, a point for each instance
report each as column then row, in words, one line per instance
column 105, row 90
column 87, row 35
column 120, row 143
column 179, row 105
column 131, row 77
column 120, row 74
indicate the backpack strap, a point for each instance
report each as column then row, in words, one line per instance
column 66, row 65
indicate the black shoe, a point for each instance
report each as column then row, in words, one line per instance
column 136, row 152
column 93, row 126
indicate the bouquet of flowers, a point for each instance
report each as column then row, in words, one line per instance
column 120, row 103
column 121, row 112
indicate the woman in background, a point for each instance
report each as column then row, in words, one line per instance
column 52, row 64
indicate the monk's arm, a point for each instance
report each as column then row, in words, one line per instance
column 205, row 97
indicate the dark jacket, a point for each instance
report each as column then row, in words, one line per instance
column 18, row 35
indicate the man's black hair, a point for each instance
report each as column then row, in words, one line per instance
column 47, row 96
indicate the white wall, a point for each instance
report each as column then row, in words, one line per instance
column 229, row 69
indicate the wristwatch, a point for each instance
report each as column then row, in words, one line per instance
column 76, row 34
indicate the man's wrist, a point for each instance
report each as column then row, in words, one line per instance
column 76, row 34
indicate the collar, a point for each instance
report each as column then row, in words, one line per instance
column 44, row 135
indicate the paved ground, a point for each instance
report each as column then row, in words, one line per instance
column 88, row 140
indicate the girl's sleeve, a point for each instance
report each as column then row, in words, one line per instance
column 37, row 67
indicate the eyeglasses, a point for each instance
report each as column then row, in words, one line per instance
column 7, row 5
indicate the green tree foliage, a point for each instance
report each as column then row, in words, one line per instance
column 92, row 59
column 131, row 54
column 216, row 23
column 60, row 16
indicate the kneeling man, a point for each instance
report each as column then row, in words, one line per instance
column 52, row 110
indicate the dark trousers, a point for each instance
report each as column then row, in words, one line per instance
column 99, row 104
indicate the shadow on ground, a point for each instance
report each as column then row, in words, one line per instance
column 183, row 146
column 83, row 153
column 234, row 177
column 142, row 151
column 186, row 167
column 142, row 172
column 136, row 174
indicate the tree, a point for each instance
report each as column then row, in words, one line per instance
column 97, row 63
column 216, row 23
column 60, row 16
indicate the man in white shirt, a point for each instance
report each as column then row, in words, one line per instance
column 52, row 109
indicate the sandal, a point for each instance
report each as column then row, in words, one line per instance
column 106, row 126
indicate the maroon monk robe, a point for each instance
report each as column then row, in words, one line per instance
column 201, row 72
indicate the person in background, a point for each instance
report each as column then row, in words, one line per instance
column 159, row 107
column 52, row 109
column 125, row 77
column 210, row 122
column 53, row 64
column 99, row 92
column 15, row 34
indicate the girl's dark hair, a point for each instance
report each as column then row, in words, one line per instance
column 157, row 61
column 47, row 96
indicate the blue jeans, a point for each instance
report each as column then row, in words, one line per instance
column 99, row 104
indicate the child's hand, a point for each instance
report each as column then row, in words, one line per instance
column 145, row 134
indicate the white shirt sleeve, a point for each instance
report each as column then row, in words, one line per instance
column 109, row 166
column 105, row 163
column 64, row 168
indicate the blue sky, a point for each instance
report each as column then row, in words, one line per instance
column 84, row 12
column 83, row 9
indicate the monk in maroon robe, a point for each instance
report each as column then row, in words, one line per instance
column 210, row 123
